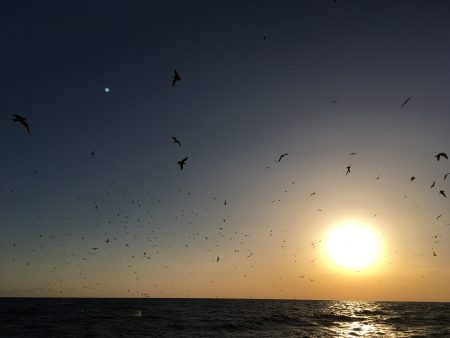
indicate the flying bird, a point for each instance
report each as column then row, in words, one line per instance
column 176, row 77
column 281, row 156
column 405, row 102
column 22, row 120
column 348, row 169
column 352, row 154
column 432, row 186
column 412, row 178
column 182, row 162
column 442, row 192
column 434, row 254
column 438, row 156
column 445, row 176
column 175, row 140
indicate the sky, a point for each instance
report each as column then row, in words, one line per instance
column 93, row 202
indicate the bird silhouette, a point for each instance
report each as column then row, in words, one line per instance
column 348, row 169
column 182, row 162
column 352, row 154
column 175, row 140
column 176, row 77
column 281, row 156
column 22, row 120
column 432, row 186
column 438, row 156
column 445, row 176
column 442, row 192
column 434, row 254
column 405, row 102
column 412, row 178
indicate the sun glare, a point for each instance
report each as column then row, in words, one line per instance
column 352, row 246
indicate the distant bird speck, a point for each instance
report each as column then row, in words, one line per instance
column 405, row 102
column 176, row 77
column 445, row 176
column 442, row 192
column 348, row 169
column 182, row 162
column 412, row 178
column 281, row 156
column 432, row 186
column 352, row 154
column 175, row 140
column 22, row 120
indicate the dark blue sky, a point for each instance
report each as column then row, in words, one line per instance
column 328, row 80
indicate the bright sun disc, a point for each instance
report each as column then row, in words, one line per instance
column 352, row 246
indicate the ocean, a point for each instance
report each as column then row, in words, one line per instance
column 69, row 317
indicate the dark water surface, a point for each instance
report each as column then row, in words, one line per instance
column 41, row 317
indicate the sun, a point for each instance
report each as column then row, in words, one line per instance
column 353, row 246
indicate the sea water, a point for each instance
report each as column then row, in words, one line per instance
column 63, row 317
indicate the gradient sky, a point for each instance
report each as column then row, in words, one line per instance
column 328, row 80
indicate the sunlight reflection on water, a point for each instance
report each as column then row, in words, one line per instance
column 355, row 318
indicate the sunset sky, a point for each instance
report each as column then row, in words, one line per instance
column 315, row 79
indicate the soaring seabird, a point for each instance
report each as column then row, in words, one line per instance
column 175, row 140
column 22, row 120
column 176, row 77
column 438, row 156
column 182, row 162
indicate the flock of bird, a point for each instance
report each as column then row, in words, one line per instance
column 240, row 238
